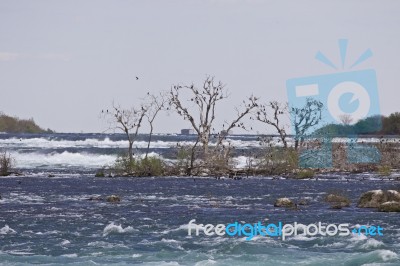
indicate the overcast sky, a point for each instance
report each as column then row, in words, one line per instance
column 62, row 62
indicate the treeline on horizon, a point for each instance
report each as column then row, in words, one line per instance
column 11, row 124
column 374, row 125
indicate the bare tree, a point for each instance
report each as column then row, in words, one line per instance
column 206, row 99
column 305, row 118
column 278, row 111
column 155, row 103
column 128, row 121
column 346, row 119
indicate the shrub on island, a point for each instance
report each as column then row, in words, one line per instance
column 150, row 166
column 6, row 163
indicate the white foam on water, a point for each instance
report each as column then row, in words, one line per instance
column 358, row 237
column 19, row 252
column 67, row 159
column 372, row 243
column 7, row 230
column 146, row 219
column 206, row 262
column 64, row 159
column 47, row 143
column 24, row 198
column 301, row 238
column 107, row 245
column 162, row 263
column 387, row 255
column 150, row 154
column 333, row 245
column 73, row 255
column 181, row 227
column 54, row 143
column 117, row 229
column 136, row 255
column 169, row 241
column 258, row 238
column 172, row 243
column 53, row 232
column 65, row 242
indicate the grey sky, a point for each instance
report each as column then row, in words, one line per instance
column 61, row 62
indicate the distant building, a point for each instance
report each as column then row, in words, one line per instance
column 225, row 133
column 187, row 131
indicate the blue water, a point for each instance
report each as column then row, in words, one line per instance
column 49, row 220
column 55, row 223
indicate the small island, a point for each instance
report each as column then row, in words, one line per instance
column 11, row 124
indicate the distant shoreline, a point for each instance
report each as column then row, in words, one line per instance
column 9, row 124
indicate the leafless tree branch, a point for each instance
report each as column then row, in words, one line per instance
column 278, row 110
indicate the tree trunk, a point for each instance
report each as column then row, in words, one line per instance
column 296, row 144
column 192, row 158
column 205, row 149
column 148, row 144
column 130, row 151
column 284, row 141
column 205, row 141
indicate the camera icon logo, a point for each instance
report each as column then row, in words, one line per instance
column 354, row 94
column 348, row 94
